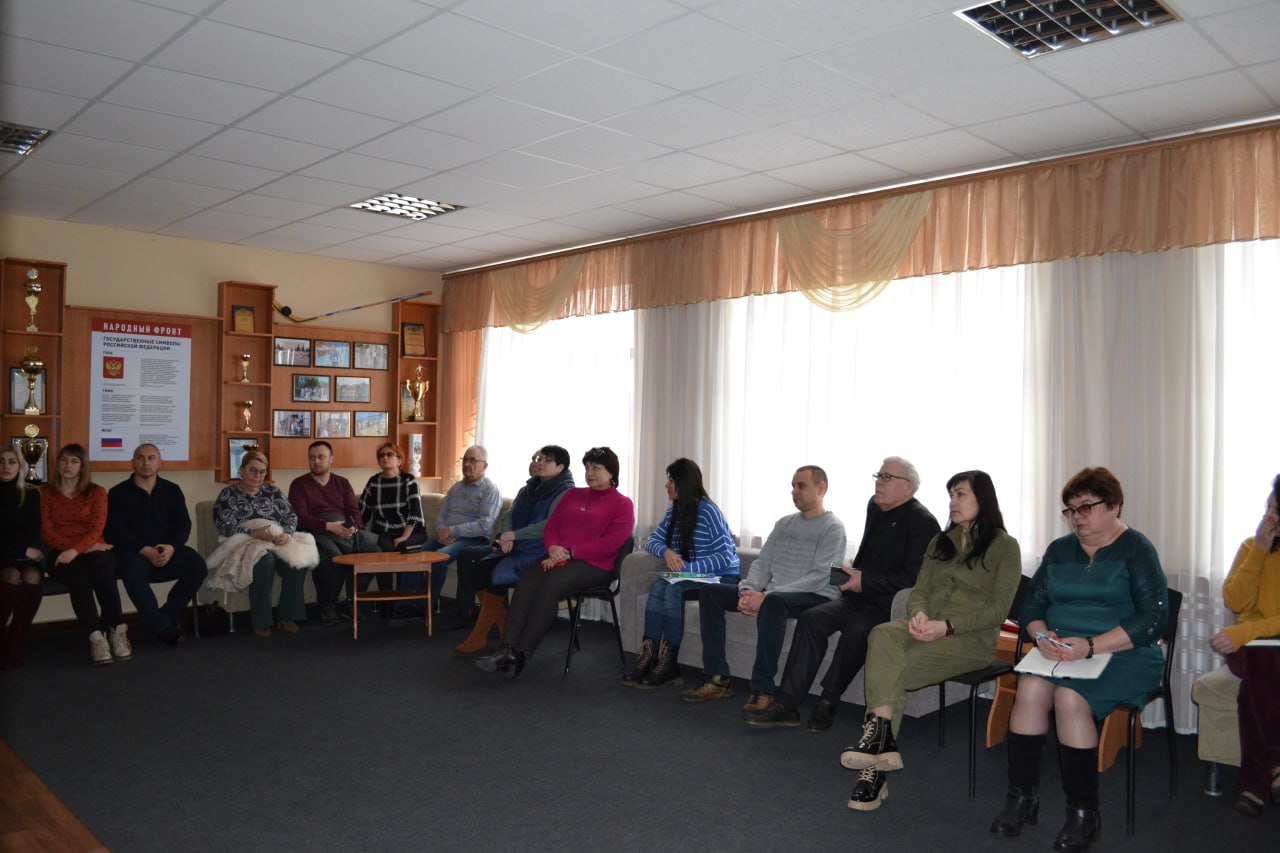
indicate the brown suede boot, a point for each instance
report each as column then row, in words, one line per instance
column 493, row 611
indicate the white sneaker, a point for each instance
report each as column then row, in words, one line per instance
column 99, row 649
column 120, row 647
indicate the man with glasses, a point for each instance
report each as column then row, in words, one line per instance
column 897, row 532
column 466, row 519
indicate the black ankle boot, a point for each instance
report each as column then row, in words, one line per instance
column 876, row 748
column 501, row 660
column 644, row 662
column 1083, row 827
column 518, row 659
column 666, row 672
column 1020, row 807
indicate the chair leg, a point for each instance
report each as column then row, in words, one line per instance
column 1171, row 736
column 973, row 740
column 574, row 610
column 942, row 714
column 617, row 633
column 1131, row 760
column 1212, row 779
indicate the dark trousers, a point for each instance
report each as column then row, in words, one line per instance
column 1258, row 668
column 330, row 577
column 475, row 571
column 853, row 616
column 771, row 629
column 88, row 575
column 537, row 598
column 186, row 567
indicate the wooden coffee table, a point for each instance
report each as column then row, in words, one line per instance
column 391, row 562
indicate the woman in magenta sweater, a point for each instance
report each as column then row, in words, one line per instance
column 583, row 537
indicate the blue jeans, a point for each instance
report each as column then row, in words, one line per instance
column 440, row 571
column 185, row 566
column 664, row 609
column 771, row 629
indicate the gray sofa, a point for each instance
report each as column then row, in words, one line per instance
column 638, row 573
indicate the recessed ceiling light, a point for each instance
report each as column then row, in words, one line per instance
column 20, row 139
column 1037, row 27
column 405, row 206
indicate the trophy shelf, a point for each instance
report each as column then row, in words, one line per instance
column 27, row 284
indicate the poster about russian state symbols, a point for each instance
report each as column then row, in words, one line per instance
column 139, row 389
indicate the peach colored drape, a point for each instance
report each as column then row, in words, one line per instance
column 460, row 364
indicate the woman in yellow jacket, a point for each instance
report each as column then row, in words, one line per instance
column 1252, row 591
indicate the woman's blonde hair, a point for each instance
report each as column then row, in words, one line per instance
column 254, row 456
column 19, row 482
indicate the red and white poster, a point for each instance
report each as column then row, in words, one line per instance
column 139, row 389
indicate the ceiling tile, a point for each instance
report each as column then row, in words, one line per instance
column 554, row 234
column 1054, row 131
column 242, row 56
column 868, row 124
column 57, row 69
column 316, row 191
column 67, row 175
column 484, row 221
column 188, row 230
column 1267, row 77
column 132, row 214
column 34, row 108
column 458, row 189
column 258, row 149
column 678, row 170
column 940, row 154
column 605, row 189
column 349, row 168
column 1201, row 102
column 465, row 53
column 100, row 153
column 678, row 207
column 521, row 170
column 386, row 246
column 225, row 220
column 350, row 252
column 335, row 24
column 613, row 222
column 817, row 24
column 120, row 28
column 788, row 91
column 176, row 192
column 425, row 148
column 368, row 87
column 537, row 205
column 214, row 173
column 277, row 209
column 434, row 230
column 440, row 258
column 1248, row 35
column 186, row 95
column 320, row 124
column 763, row 191
column 684, row 122
column 972, row 98
column 836, row 175
column 562, row 22
column 140, row 127
column 315, row 235
column 596, row 148
column 42, row 200
column 765, row 149
column 281, row 242
column 500, row 244
column 498, row 123
column 584, row 90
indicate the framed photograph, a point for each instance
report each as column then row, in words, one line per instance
column 242, row 319
column 291, row 423
column 333, row 425
column 372, row 424
column 41, row 467
column 18, row 391
column 371, row 356
column 413, row 339
column 236, row 449
column 351, row 389
column 332, row 354
column 310, row 388
column 293, row 352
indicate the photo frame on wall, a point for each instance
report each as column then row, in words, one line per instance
column 371, row 356
column 351, row 389
column 413, row 339
column 332, row 354
column 236, row 449
column 293, row 352
column 310, row 388
column 18, row 391
column 333, row 425
column 372, row 424
column 291, row 423
column 41, row 467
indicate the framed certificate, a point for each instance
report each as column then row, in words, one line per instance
column 18, row 392
column 413, row 339
column 242, row 319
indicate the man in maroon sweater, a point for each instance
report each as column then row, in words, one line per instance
column 326, row 506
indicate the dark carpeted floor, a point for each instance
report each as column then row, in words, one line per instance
column 319, row 742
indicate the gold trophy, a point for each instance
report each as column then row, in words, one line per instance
column 246, row 412
column 32, row 449
column 33, row 296
column 420, row 388
column 244, row 366
column 31, row 366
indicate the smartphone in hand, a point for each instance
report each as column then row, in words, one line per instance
column 839, row 576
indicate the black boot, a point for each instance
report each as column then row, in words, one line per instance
column 666, row 672
column 1022, row 802
column 502, row 660
column 1080, row 783
column 644, row 662
column 876, row 748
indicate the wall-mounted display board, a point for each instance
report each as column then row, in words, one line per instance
column 32, row 316
column 418, row 361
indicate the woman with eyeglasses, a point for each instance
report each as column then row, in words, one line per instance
column 1098, row 590
column 255, row 521
column 692, row 537
column 1252, row 591
column 582, row 539
column 966, row 585
column 391, row 507
column 492, row 569
column 21, row 558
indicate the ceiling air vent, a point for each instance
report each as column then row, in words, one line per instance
column 1037, row 27
column 20, row 139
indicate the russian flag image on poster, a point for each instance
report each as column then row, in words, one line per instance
column 113, row 442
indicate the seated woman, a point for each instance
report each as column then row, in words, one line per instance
column 582, row 540
column 692, row 537
column 73, row 518
column 1100, row 589
column 256, row 525
column 391, row 508
column 1252, row 591
column 518, row 546
column 965, row 588
column 21, row 559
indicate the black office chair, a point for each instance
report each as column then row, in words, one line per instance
column 1163, row 691
column 607, row 591
column 975, row 679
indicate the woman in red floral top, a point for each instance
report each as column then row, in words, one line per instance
column 73, row 514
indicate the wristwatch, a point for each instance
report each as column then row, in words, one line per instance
column 1089, row 640
column 951, row 629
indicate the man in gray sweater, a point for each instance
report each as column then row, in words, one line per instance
column 791, row 575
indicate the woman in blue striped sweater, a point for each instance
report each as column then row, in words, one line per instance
column 693, row 537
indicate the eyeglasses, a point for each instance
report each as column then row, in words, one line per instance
column 1082, row 510
column 884, row 477
column 257, row 472
column 388, row 454
column 596, row 453
column 539, row 459
column 471, row 460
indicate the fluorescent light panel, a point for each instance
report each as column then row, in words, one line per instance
column 20, row 139
column 405, row 206
column 1038, row 27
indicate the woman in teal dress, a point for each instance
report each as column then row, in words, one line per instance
column 1100, row 590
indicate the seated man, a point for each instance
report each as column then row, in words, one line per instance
column 791, row 575
column 148, row 525
column 466, row 519
column 894, row 539
column 327, row 509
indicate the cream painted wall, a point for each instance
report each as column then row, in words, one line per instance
column 113, row 268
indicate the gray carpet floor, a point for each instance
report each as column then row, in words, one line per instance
column 390, row 742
